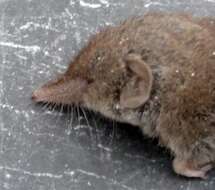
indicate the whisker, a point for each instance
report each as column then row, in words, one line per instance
column 113, row 133
column 54, row 109
column 70, row 118
column 85, row 116
column 71, row 112
column 96, row 127
column 78, row 111
column 44, row 108
column 54, row 106
column 45, row 105
column 60, row 112
column 89, row 126
column 50, row 106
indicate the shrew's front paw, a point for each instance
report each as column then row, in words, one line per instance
column 187, row 168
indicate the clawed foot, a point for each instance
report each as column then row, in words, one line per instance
column 185, row 168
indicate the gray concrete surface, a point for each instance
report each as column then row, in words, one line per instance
column 41, row 149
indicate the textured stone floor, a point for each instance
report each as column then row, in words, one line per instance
column 42, row 149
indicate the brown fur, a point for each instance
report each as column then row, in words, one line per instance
column 176, row 54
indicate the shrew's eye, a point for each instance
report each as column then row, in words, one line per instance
column 89, row 81
column 116, row 95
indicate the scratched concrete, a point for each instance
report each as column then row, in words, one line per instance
column 41, row 149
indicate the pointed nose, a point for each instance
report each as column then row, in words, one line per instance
column 38, row 95
column 34, row 96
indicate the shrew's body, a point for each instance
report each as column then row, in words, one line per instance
column 156, row 72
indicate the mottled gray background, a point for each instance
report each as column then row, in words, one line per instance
column 42, row 149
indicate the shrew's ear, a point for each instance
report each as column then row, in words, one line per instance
column 138, row 89
column 61, row 91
